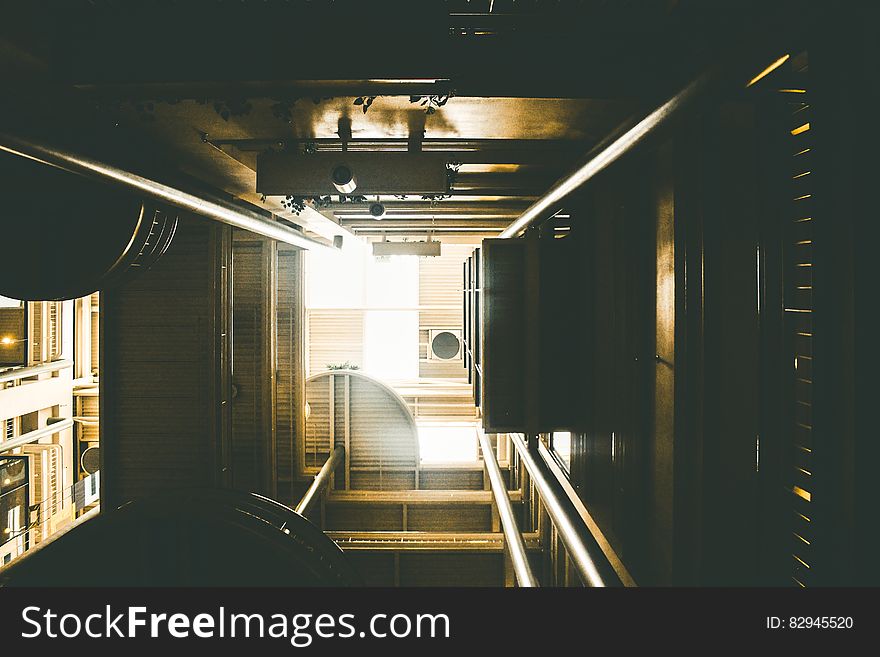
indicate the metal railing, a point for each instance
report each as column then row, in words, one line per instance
column 52, row 517
column 512, row 536
column 202, row 204
column 18, row 373
column 621, row 141
column 321, row 482
column 34, row 436
column 587, row 556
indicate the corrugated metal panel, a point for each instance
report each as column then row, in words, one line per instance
column 335, row 336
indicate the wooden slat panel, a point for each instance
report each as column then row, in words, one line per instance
column 160, row 411
column 250, row 432
column 363, row 517
column 445, row 518
column 290, row 375
column 451, row 479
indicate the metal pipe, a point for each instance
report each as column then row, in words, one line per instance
column 512, row 535
column 33, row 436
column 44, row 368
column 583, row 549
column 618, row 143
column 322, row 479
column 212, row 208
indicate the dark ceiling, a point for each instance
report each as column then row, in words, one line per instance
column 516, row 91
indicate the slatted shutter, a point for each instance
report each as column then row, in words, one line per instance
column 288, row 367
column 45, row 488
column 798, row 313
column 335, row 336
column 440, row 291
column 95, row 325
column 53, row 330
column 36, row 332
column 371, row 421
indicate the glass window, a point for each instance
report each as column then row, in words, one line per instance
column 560, row 444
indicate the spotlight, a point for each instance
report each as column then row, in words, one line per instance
column 343, row 179
column 377, row 210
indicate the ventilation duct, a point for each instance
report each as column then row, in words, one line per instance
column 67, row 236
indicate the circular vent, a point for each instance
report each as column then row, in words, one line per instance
column 90, row 461
column 445, row 345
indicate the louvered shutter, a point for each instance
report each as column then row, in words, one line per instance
column 798, row 304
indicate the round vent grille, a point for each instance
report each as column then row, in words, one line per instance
column 445, row 345
column 91, row 460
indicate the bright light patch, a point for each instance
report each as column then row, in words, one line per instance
column 767, row 71
column 448, row 442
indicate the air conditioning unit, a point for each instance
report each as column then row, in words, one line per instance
column 444, row 344
column 46, row 487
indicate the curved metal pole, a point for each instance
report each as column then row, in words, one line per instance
column 212, row 208
column 512, row 535
column 619, row 142
column 322, row 479
column 583, row 549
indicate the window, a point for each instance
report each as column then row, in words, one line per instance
column 560, row 445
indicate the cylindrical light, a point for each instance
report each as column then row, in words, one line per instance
column 343, row 179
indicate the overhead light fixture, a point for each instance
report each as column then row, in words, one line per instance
column 343, row 179
column 377, row 210
column 429, row 248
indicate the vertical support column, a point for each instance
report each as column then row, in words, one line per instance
column 347, row 432
column 532, row 365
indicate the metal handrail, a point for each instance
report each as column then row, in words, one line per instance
column 33, row 370
column 322, row 480
column 585, row 552
column 33, row 436
column 513, row 537
column 622, row 140
column 203, row 204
